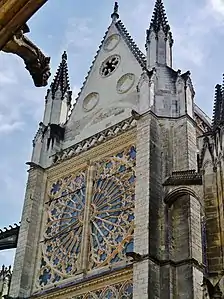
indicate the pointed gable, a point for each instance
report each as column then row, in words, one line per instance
column 109, row 92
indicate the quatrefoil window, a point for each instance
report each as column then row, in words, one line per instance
column 110, row 65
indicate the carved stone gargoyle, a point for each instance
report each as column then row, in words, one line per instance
column 36, row 63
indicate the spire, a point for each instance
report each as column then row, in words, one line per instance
column 115, row 15
column 218, row 110
column 217, row 105
column 59, row 96
column 61, row 80
column 159, row 39
column 159, row 19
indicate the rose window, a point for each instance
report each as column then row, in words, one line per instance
column 109, row 65
column 96, row 222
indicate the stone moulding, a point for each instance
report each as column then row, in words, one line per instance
column 97, row 139
column 89, row 284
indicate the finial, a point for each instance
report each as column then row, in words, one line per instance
column 64, row 56
column 115, row 15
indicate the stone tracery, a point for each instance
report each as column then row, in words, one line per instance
column 110, row 223
column 117, row 291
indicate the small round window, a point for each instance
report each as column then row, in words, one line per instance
column 110, row 65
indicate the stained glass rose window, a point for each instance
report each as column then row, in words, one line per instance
column 97, row 223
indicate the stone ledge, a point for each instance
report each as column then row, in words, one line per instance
column 187, row 177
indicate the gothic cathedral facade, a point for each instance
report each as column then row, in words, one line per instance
column 125, row 190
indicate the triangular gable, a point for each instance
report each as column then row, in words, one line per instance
column 109, row 92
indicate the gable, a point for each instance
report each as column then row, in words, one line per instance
column 109, row 92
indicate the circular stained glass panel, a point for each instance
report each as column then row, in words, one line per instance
column 110, row 65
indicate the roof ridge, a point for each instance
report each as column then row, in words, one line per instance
column 89, row 71
column 139, row 55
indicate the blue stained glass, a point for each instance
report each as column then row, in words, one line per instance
column 120, row 155
column 132, row 153
column 109, row 165
column 56, row 261
column 56, row 187
column 49, row 248
column 127, row 292
column 119, row 239
column 109, row 294
column 103, row 257
column 45, row 277
column 100, row 238
column 99, row 182
column 122, row 168
column 65, row 192
column 48, row 231
column 115, row 259
column 131, row 179
column 103, row 215
column 75, row 213
column 114, row 219
column 70, row 203
column 54, row 212
column 129, row 247
column 131, row 217
column 68, row 269
column 56, row 278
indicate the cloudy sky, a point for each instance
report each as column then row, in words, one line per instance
column 78, row 27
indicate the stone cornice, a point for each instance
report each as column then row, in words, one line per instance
column 92, row 141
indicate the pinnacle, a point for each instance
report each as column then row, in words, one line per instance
column 218, row 111
column 61, row 79
column 115, row 15
column 64, row 56
column 159, row 19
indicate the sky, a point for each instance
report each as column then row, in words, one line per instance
column 78, row 26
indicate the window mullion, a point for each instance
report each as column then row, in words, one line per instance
column 86, row 221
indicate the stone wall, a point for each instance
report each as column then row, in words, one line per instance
column 23, row 269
